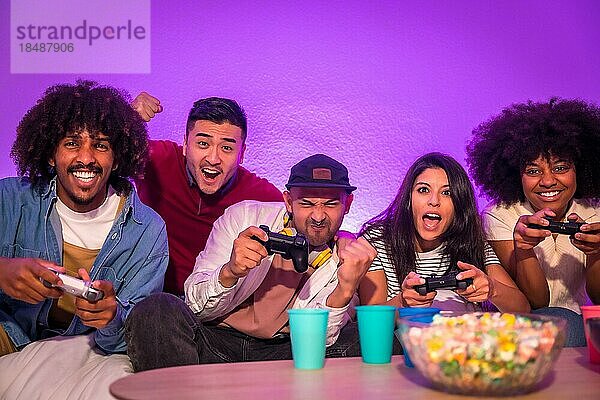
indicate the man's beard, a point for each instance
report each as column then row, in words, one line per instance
column 320, row 237
column 81, row 201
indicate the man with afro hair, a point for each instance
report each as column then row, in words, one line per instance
column 539, row 162
column 73, row 210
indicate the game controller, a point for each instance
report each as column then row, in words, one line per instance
column 293, row 248
column 76, row 287
column 565, row 228
column 447, row 281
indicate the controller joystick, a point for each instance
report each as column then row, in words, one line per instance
column 446, row 281
column 565, row 228
column 293, row 248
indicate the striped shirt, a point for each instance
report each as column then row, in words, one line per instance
column 430, row 263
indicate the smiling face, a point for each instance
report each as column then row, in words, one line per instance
column 213, row 153
column 432, row 208
column 83, row 164
column 317, row 212
column 550, row 184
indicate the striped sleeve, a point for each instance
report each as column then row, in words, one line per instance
column 489, row 256
column 382, row 262
column 381, row 259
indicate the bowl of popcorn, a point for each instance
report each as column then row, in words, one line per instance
column 484, row 354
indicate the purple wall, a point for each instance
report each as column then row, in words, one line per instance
column 373, row 85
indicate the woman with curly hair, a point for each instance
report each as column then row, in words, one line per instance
column 539, row 162
column 431, row 228
column 74, row 211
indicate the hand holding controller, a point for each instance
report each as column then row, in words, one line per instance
column 77, row 287
column 566, row 228
column 447, row 281
column 293, row 248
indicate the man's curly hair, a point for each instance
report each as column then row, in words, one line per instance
column 66, row 109
column 502, row 146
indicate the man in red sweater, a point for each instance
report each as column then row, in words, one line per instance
column 190, row 186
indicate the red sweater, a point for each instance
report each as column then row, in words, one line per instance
column 188, row 213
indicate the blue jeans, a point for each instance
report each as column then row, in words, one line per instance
column 161, row 331
column 575, row 333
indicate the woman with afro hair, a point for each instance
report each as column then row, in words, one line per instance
column 539, row 162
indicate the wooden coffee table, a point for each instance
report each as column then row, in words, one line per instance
column 573, row 378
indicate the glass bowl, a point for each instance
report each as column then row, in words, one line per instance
column 484, row 354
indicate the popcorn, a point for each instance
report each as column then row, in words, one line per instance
column 482, row 349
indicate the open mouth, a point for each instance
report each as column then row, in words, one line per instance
column 85, row 176
column 431, row 220
column 549, row 194
column 210, row 173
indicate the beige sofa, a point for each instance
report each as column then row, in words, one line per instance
column 61, row 368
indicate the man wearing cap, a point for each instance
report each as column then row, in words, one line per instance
column 238, row 296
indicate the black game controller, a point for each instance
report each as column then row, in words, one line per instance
column 566, row 228
column 447, row 281
column 293, row 248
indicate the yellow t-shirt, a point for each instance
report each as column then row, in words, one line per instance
column 74, row 258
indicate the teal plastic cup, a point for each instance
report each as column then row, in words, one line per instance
column 308, row 333
column 417, row 314
column 376, row 332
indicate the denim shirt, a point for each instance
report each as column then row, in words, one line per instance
column 134, row 258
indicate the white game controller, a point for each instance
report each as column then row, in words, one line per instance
column 76, row 287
